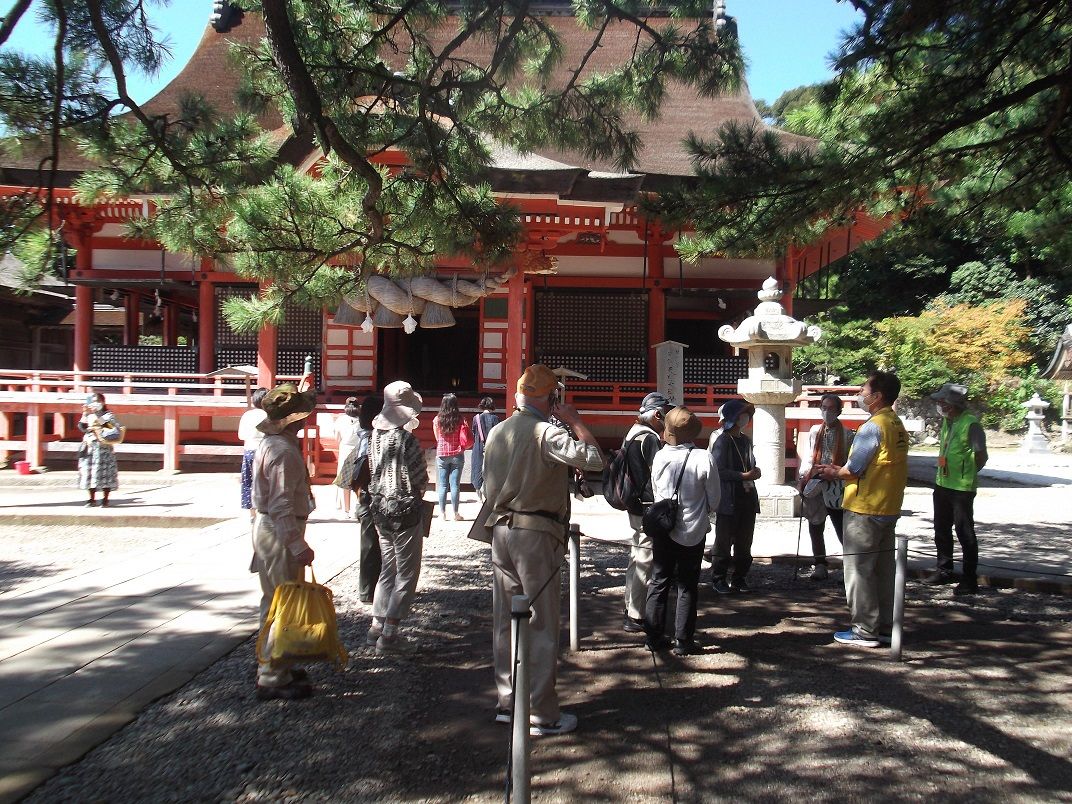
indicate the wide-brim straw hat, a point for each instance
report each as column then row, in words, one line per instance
column 285, row 404
column 401, row 405
column 680, row 426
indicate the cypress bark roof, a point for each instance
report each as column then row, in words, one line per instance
column 662, row 158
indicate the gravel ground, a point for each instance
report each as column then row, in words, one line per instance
column 979, row 709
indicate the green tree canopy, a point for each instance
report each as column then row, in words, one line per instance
column 963, row 103
column 443, row 82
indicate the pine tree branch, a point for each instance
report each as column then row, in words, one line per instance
column 308, row 103
column 12, row 19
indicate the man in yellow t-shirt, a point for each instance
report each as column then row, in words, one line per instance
column 875, row 476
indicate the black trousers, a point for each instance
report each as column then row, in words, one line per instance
column 733, row 532
column 369, row 550
column 672, row 561
column 955, row 510
column 818, row 543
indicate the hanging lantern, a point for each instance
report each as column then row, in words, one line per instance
column 436, row 316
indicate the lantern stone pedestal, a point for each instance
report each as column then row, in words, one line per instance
column 770, row 336
column 1035, row 440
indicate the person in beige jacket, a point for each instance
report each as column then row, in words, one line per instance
column 527, row 468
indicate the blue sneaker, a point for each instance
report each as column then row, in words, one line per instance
column 850, row 637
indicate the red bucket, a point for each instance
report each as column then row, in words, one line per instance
column 23, row 467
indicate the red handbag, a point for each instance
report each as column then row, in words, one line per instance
column 465, row 436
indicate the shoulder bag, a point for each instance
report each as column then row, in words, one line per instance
column 661, row 516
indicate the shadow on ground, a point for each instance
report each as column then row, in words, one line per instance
column 773, row 710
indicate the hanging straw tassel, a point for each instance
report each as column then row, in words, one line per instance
column 436, row 316
column 348, row 315
column 386, row 318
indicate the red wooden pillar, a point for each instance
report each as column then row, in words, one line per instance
column 132, row 319
column 656, row 293
column 786, row 276
column 206, row 327
column 83, row 324
column 515, row 335
column 5, row 435
column 267, row 346
column 171, row 324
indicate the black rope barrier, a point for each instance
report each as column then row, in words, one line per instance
column 1005, row 567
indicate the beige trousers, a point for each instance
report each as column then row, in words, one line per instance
column 638, row 573
column 275, row 565
column 523, row 561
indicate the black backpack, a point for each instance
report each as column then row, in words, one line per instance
column 619, row 488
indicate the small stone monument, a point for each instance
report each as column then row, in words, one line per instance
column 770, row 336
column 1035, row 440
column 670, row 370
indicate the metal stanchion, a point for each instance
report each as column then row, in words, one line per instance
column 519, row 760
column 574, row 586
column 898, row 597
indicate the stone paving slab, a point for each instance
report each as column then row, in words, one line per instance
column 84, row 650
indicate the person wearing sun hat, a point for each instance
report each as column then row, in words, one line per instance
column 735, row 523
column 398, row 477
column 282, row 498
column 641, row 445
column 961, row 454
column 527, row 467
column 679, row 468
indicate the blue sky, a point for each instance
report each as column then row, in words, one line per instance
column 786, row 42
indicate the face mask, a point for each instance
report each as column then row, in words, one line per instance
column 94, row 407
column 830, row 416
column 862, row 401
column 742, row 420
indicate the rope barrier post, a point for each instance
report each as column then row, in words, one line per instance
column 898, row 597
column 574, row 586
column 519, row 760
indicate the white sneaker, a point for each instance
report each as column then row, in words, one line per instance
column 395, row 643
column 564, row 725
column 373, row 635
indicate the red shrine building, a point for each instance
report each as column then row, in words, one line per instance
column 595, row 286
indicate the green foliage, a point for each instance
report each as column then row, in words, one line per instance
column 1003, row 402
column 442, row 84
column 1045, row 314
column 847, row 350
column 780, row 112
column 960, row 104
column 907, row 349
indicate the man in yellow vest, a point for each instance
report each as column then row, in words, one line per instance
column 875, row 476
column 961, row 454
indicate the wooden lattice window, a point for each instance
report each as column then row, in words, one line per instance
column 603, row 334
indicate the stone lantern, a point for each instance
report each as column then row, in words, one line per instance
column 1035, row 440
column 770, row 335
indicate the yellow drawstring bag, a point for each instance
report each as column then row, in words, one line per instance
column 301, row 626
